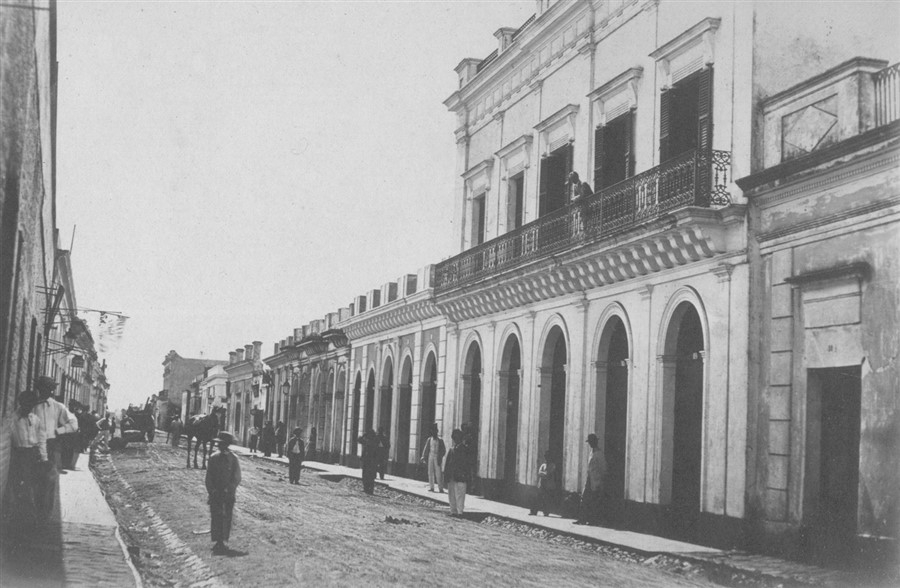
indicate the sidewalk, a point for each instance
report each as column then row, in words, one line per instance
column 78, row 546
column 785, row 571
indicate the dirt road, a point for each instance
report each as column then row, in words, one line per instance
column 330, row 533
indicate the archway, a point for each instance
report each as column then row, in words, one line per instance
column 338, row 417
column 471, row 401
column 428, row 404
column 370, row 401
column 682, row 377
column 508, row 416
column 404, row 413
column 552, row 425
column 611, row 409
column 325, row 430
column 386, row 397
column 354, row 417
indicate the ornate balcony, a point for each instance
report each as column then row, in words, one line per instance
column 695, row 178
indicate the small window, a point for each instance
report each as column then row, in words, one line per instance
column 478, row 220
column 614, row 151
column 555, row 168
column 515, row 211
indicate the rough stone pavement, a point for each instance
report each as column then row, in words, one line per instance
column 789, row 572
column 78, row 546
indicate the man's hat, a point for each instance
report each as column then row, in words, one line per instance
column 44, row 383
column 224, row 437
column 592, row 439
column 298, row 431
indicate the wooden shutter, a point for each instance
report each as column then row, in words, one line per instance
column 629, row 143
column 567, row 191
column 665, row 111
column 704, row 109
column 542, row 186
column 599, row 154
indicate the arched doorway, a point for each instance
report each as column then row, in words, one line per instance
column 683, row 420
column 404, row 414
column 354, row 416
column 386, row 397
column 428, row 406
column 508, row 416
column 471, row 403
column 611, row 414
column 552, row 424
column 338, row 417
column 325, row 430
column 370, row 402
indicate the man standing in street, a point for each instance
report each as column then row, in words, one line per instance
column 223, row 476
column 295, row 452
column 369, row 460
column 57, row 421
column 384, row 447
column 593, row 487
column 433, row 455
column 458, row 469
column 175, row 429
column 280, row 437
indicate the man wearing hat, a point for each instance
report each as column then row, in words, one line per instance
column 593, row 487
column 222, row 479
column 28, row 457
column 57, row 421
column 295, row 453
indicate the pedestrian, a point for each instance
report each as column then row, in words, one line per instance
column 458, row 469
column 175, row 429
column 311, row 445
column 593, row 486
column 384, row 446
column 103, row 426
column 28, row 460
column 470, row 440
column 223, row 475
column 254, row 438
column 369, row 443
column 280, row 437
column 112, row 425
column 268, row 439
column 433, row 455
column 295, row 451
column 87, row 431
column 57, row 421
column 546, row 485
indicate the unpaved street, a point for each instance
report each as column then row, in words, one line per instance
column 329, row 533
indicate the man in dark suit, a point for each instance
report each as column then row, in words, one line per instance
column 222, row 479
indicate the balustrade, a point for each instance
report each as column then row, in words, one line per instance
column 695, row 178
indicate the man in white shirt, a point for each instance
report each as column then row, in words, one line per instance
column 57, row 420
column 28, row 459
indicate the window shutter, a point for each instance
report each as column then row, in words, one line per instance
column 568, row 155
column 599, row 154
column 629, row 143
column 704, row 109
column 542, row 188
column 665, row 110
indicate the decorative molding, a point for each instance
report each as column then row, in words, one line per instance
column 860, row 270
column 482, row 167
column 827, row 220
column 624, row 86
column 723, row 272
column 567, row 112
column 523, row 142
column 696, row 43
column 561, row 123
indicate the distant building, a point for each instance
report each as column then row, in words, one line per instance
column 178, row 377
column 214, row 390
column 245, row 392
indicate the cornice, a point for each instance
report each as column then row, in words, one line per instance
column 557, row 117
column 478, row 168
column 686, row 39
column 397, row 314
column 514, row 145
column 630, row 75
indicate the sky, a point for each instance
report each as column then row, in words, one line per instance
column 234, row 170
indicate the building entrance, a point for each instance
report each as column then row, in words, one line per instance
column 387, row 397
column 553, row 400
column 354, row 421
column 508, row 430
column 471, row 409
column 404, row 414
column 832, row 460
column 612, row 412
column 370, row 402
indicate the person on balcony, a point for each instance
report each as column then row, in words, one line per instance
column 579, row 189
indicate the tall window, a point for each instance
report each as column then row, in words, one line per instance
column 515, row 210
column 478, row 220
column 686, row 115
column 614, row 151
column 555, row 170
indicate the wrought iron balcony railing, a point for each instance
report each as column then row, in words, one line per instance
column 695, row 178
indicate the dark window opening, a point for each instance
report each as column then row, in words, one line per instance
column 555, row 170
column 614, row 151
column 686, row 115
column 515, row 205
column 478, row 220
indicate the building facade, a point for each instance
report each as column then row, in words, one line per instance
column 178, row 377
column 245, row 392
column 825, row 244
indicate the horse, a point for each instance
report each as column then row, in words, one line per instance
column 204, row 429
